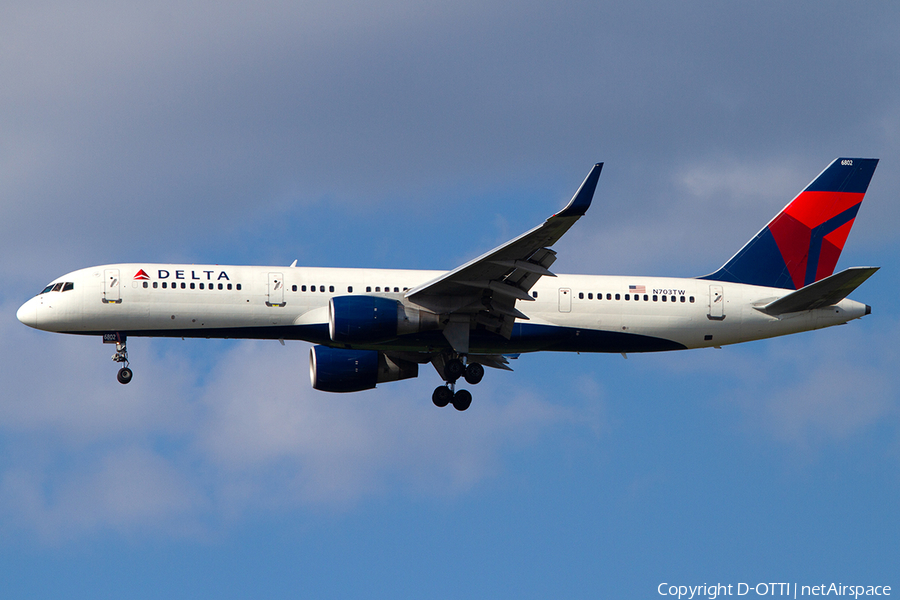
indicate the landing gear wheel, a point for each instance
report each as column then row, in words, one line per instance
column 442, row 396
column 453, row 370
column 124, row 375
column 462, row 400
column 121, row 356
column 474, row 373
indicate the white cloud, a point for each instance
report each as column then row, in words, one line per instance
column 175, row 449
column 808, row 390
column 125, row 488
column 340, row 447
column 700, row 215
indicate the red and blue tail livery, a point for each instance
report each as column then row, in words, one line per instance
column 802, row 244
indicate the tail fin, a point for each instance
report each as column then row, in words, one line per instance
column 802, row 244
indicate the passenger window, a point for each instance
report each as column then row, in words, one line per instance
column 330, row 288
column 237, row 287
column 368, row 288
column 692, row 299
column 220, row 286
column 534, row 294
column 146, row 285
column 293, row 288
column 682, row 299
column 201, row 286
column 228, row 286
column 155, row 284
column 349, row 289
column 673, row 298
column 302, row 288
column 664, row 298
column 182, row 285
column 627, row 297
column 396, row 289
column 581, row 295
column 68, row 286
column 165, row 285
column 321, row 288
column 618, row 297
column 590, row 295
column 192, row 285
column 655, row 297
column 377, row 288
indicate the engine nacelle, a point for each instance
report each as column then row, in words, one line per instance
column 369, row 319
column 343, row 370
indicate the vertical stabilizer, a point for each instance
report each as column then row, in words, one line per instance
column 802, row 244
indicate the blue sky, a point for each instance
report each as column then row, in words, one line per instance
column 398, row 134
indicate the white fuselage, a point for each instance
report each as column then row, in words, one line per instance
column 582, row 313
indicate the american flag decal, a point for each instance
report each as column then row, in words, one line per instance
column 637, row 289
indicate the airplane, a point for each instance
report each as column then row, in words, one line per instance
column 372, row 326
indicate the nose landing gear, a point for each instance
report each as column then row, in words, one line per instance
column 121, row 356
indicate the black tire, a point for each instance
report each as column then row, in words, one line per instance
column 474, row 373
column 453, row 370
column 462, row 400
column 124, row 375
column 442, row 396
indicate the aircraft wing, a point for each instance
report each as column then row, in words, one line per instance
column 488, row 286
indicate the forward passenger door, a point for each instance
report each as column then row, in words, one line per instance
column 112, row 287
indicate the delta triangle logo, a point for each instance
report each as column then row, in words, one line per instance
column 141, row 275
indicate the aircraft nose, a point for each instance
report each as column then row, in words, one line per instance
column 27, row 313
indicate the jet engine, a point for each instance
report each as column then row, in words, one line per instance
column 369, row 319
column 343, row 370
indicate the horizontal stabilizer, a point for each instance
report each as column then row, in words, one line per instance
column 824, row 292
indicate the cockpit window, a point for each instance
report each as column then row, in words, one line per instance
column 60, row 286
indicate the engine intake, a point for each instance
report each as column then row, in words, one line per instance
column 343, row 370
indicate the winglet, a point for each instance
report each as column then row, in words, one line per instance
column 581, row 201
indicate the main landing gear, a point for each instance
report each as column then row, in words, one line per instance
column 121, row 356
column 447, row 394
